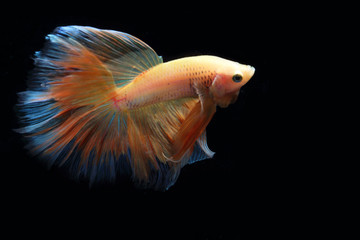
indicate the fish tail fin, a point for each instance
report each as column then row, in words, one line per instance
column 69, row 117
column 67, row 113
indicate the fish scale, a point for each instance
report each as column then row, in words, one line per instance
column 103, row 104
column 168, row 81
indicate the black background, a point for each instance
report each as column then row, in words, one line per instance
column 247, row 189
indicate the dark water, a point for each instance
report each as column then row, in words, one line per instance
column 233, row 195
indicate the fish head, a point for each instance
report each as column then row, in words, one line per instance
column 230, row 77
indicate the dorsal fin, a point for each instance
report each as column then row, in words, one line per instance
column 70, row 120
column 66, row 113
column 125, row 56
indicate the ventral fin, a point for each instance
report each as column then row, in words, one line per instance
column 192, row 128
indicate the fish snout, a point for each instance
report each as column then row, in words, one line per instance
column 251, row 71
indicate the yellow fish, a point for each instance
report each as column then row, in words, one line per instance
column 102, row 103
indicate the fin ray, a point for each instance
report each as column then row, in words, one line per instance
column 192, row 128
column 76, row 125
column 66, row 113
column 125, row 56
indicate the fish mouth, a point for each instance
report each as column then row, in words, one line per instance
column 251, row 71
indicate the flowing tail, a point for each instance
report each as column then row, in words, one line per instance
column 68, row 116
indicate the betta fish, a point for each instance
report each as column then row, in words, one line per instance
column 103, row 104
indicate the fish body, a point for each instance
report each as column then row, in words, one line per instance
column 102, row 103
column 180, row 79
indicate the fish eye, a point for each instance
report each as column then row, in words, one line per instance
column 237, row 78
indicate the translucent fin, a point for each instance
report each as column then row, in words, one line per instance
column 192, row 128
column 67, row 114
column 152, row 132
column 125, row 56
column 203, row 145
column 198, row 154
